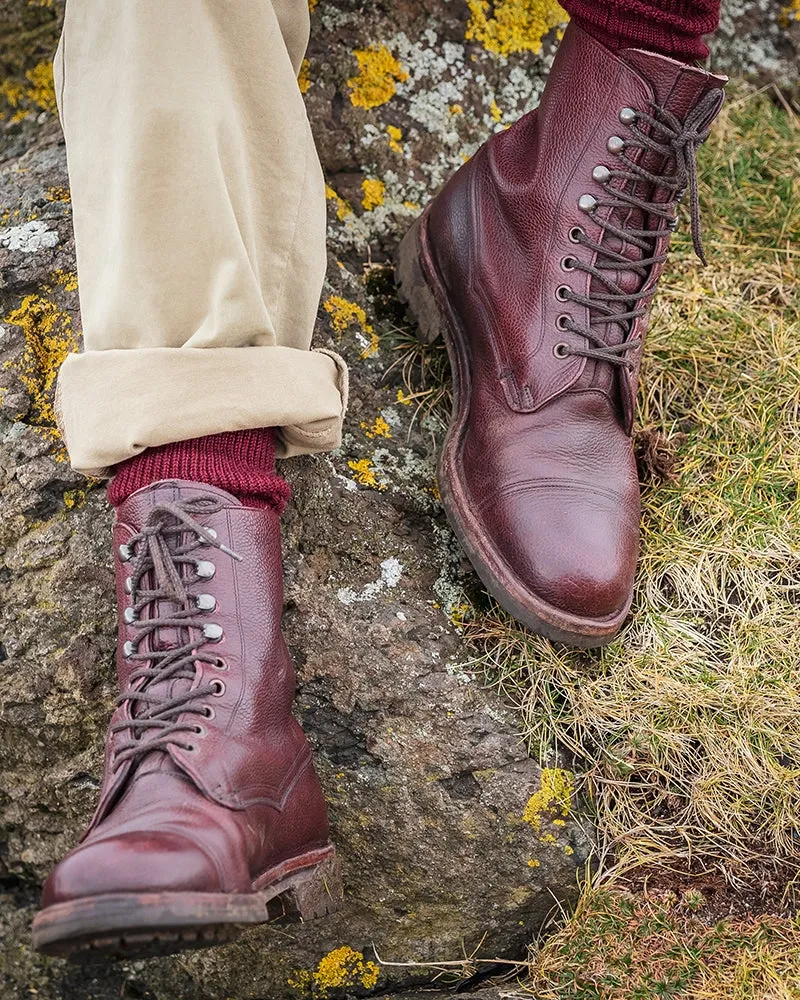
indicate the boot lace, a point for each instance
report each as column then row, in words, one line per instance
column 663, row 134
column 165, row 552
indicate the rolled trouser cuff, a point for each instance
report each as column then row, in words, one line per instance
column 111, row 405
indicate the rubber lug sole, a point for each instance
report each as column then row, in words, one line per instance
column 122, row 926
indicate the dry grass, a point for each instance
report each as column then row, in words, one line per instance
column 687, row 729
column 621, row 947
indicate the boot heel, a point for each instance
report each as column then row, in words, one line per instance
column 413, row 289
column 313, row 892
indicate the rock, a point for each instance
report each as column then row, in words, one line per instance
column 454, row 841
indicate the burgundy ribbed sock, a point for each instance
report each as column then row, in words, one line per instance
column 241, row 462
column 670, row 27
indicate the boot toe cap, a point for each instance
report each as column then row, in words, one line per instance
column 140, row 862
column 571, row 548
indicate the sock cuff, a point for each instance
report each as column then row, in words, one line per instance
column 241, row 462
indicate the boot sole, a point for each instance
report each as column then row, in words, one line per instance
column 422, row 292
column 132, row 925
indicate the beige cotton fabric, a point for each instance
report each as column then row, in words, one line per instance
column 199, row 214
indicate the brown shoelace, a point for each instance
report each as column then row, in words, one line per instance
column 677, row 142
column 165, row 551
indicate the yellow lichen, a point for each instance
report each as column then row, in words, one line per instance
column 342, row 208
column 395, row 135
column 552, row 801
column 374, row 191
column 303, row 79
column 789, row 13
column 75, row 499
column 58, row 194
column 344, row 313
column 534, row 863
column 339, row 969
column 494, row 111
column 411, row 206
column 35, row 94
column 48, row 341
column 378, row 428
column 507, row 26
column 456, row 109
column 42, row 90
column 312, row 4
column 365, row 473
column 377, row 78
column 67, row 279
column 402, row 398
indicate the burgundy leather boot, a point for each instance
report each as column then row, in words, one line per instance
column 211, row 815
column 537, row 263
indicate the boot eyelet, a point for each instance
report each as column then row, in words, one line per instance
column 212, row 532
column 615, row 145
column 561, row 350
column 205, row 569
column 563, row 293
column 128, row 649
column 562, row 321
column 208, row 712
column 130, row 616
column 587, row 203
column 213, row 632
column 125, row 553
column 576, row 234
column 627, row 116
column 601, row 174
column 219, row 688
column 129, row 585
column 568, row 264
column 220, row 664
column 206, row 602
column 191, row 748
column 200, row 731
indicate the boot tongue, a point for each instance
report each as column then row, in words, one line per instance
column 676, row 86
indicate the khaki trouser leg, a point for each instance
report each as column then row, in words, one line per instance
column 199, row 214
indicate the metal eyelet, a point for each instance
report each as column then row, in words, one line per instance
column 615, row 145
column 212, row 532
column 200, row 731
column 587, row 203
column 205, row 569
column 208, row 712
column 220, row 664
column 627, row 116
column 130, row 616
column 129, row 648
column 576, row 234
column 125, row 553
column 219, row 688
column 562, row 321
column 563, row 293
column 206, row 602
column 601, row 174
column 568, row 264
column 213, row 632
column 561, row 350
column 129, row 585
column 190, row 749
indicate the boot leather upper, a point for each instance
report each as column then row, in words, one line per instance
column 218, row 807
column 546, row 458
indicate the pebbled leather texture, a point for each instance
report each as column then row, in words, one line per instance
column 539, row 456
column 246, row 797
